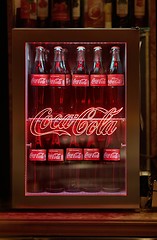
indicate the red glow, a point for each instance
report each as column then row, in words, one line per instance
column 93, row 120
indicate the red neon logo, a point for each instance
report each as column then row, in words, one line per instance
column 93, row 120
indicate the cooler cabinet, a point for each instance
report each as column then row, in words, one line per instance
column 75, row 118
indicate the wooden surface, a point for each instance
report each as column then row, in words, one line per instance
column 82, row 223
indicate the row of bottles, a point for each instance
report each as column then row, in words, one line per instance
column 74, row 177
column 82, row 13
column 67, row 76
column 96, row 88
column 67, row 166
column 43, row 61
column 81, row 147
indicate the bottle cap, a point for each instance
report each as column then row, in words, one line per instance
column 80, row 48
column 115, row 48
column 97, row 48
column 40, row 48
column 58, row 48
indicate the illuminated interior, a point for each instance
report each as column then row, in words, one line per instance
column 75, row 132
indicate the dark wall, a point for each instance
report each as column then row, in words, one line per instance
column 4, row 110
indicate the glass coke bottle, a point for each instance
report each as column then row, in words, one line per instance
column 36, row 171
column 98, row 79
column 91, row 156
column 80, row 81
column 67, row 71
column 57, row 81
column 115, row 82
column 112, row 162
column 74, row 157
column 55, row 166
column 38, row 85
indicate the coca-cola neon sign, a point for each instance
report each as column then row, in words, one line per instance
column 96, row 120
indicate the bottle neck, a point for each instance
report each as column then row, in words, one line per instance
column 115, row 56
column 81, row 65
column 64, row 61
column 57, row 56
column 97, row 60
column 39, row 54
column 39, row 59
column 115, row 66
column 58, row 63
column 97, row 63
column 80, row 56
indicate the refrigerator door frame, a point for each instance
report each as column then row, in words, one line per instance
column 19, row 38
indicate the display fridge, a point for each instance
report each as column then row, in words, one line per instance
column 75, row 118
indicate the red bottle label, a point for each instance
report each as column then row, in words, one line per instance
column 115, row 79
column 55, row 155
column 57, row 80
column 80, row 80
column 74, row 154
column 39, row 80
column 98, row 80
column 37, row 155
column 91, row 154
column 111, row 155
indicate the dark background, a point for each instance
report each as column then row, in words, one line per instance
column 4, row 110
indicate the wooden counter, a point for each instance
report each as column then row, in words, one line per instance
column 82, row 223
